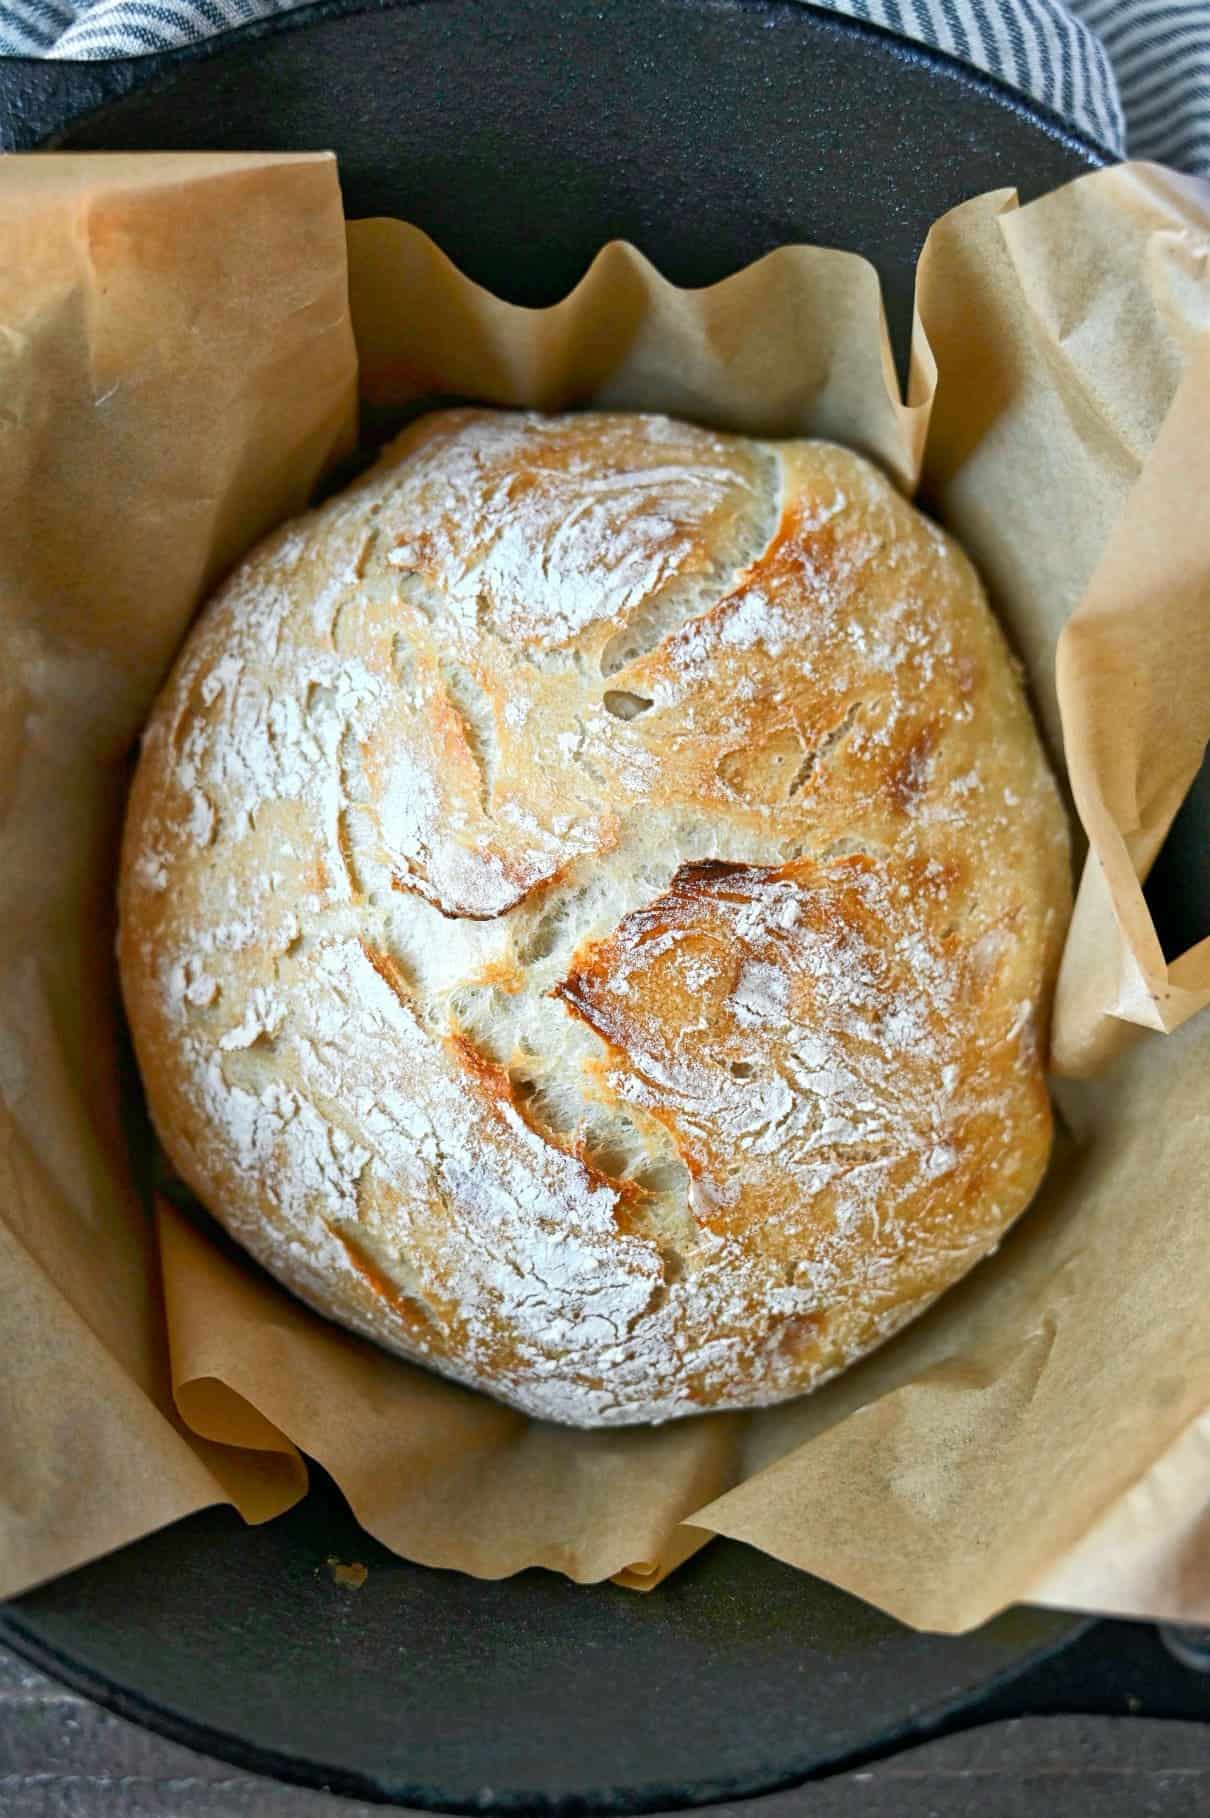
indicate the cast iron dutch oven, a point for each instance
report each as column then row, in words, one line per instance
column 522, row 135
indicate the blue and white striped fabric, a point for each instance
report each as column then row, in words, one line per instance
column 1160, row 50
column 1132, row 74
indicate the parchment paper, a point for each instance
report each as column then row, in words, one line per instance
column 176, row 366
column 1043, row 1432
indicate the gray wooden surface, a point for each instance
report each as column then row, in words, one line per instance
column 61, row 1757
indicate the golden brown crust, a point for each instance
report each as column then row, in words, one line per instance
column 789, row 1024
column 589, row 897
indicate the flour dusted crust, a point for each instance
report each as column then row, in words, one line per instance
column 589, row 901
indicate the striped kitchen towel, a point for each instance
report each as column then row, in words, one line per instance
column 1134, row 75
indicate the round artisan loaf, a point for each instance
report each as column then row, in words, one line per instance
column 589, row 905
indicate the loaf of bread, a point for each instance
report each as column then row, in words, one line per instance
column 589, row 905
